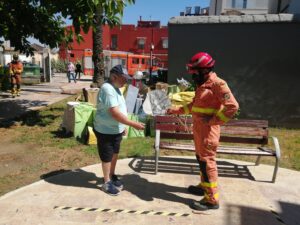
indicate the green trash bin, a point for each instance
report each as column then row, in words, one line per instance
column 4, row 78
column 31, row 74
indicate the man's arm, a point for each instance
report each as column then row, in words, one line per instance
column 120, row 117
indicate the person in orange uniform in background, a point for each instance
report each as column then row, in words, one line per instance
column 212, row 106
column 15, row 70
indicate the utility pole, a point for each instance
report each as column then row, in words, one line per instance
column 279, row 6
column 216, row 7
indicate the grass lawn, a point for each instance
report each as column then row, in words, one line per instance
column 47, row 148
column 46, row 133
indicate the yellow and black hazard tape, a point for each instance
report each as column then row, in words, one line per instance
column 277, row 216
column 136, row 212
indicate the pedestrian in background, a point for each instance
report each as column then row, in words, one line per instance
column 110, row 125
column 71, row 72
column 212, row 106
column 78, row 70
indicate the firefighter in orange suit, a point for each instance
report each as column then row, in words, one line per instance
column 15, row 70
column 212, row 106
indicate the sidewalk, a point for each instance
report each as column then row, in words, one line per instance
column 34, row 97
column 247, row 196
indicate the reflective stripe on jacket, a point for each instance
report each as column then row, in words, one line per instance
column 213, row 98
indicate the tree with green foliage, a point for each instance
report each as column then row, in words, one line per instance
column 104, row 12
column 21, row 19
column 44, row 20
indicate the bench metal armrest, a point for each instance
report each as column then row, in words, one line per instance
column 277, row 146
column 157, row 139
column 156, row 147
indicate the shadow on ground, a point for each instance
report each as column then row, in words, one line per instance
column 148, row 191
column 187, row 166
column 75, row 178
column 133, row 183
column 17, row 111
column 62, row 134
column 288, row 215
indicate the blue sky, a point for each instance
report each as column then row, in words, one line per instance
column 161, row 10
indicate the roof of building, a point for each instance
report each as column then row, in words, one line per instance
column 37, row 47
column 264, row 18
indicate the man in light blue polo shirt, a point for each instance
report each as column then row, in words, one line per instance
column 109, row 126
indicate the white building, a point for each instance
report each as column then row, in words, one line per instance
column 219, row 7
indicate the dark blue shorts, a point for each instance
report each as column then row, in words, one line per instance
column 108, row 144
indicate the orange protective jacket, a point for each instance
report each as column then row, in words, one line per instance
column 212, row 98
column 15, row 68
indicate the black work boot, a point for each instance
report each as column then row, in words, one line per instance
column 196, row 190
column 202, row 205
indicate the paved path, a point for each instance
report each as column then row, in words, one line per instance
column 247, row 196
column 37, row 96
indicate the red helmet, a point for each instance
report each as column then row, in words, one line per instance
column 200, row 60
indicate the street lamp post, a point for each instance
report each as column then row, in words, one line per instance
column 151, row 61
column 151, row 53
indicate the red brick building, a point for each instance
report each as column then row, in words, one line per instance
column 130, row 38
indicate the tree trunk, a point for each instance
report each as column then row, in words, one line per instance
column 98, row 78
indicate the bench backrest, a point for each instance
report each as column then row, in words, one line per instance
column 235, row 131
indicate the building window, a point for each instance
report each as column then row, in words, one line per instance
column 165, row 43
column 141, row 43
column 239, row 4
column 124, row 63
column 135, row 60
column 114, row 42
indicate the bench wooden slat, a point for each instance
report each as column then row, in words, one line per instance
column 190, row 145
column 242, row 152
column 247, row 123
column 221, row 149
column 173, row 119
column 187, row 147
column 225, row 130
column 189, row 120
column 247, row 131
column 179, row 136
column 173, row 127
column 225, row 139
column 244, row 140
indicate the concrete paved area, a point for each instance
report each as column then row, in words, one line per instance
column 247, row 196
column 34, row 97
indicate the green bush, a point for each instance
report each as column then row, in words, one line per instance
column 59, row 65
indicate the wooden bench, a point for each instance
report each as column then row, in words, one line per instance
column 254, row 133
